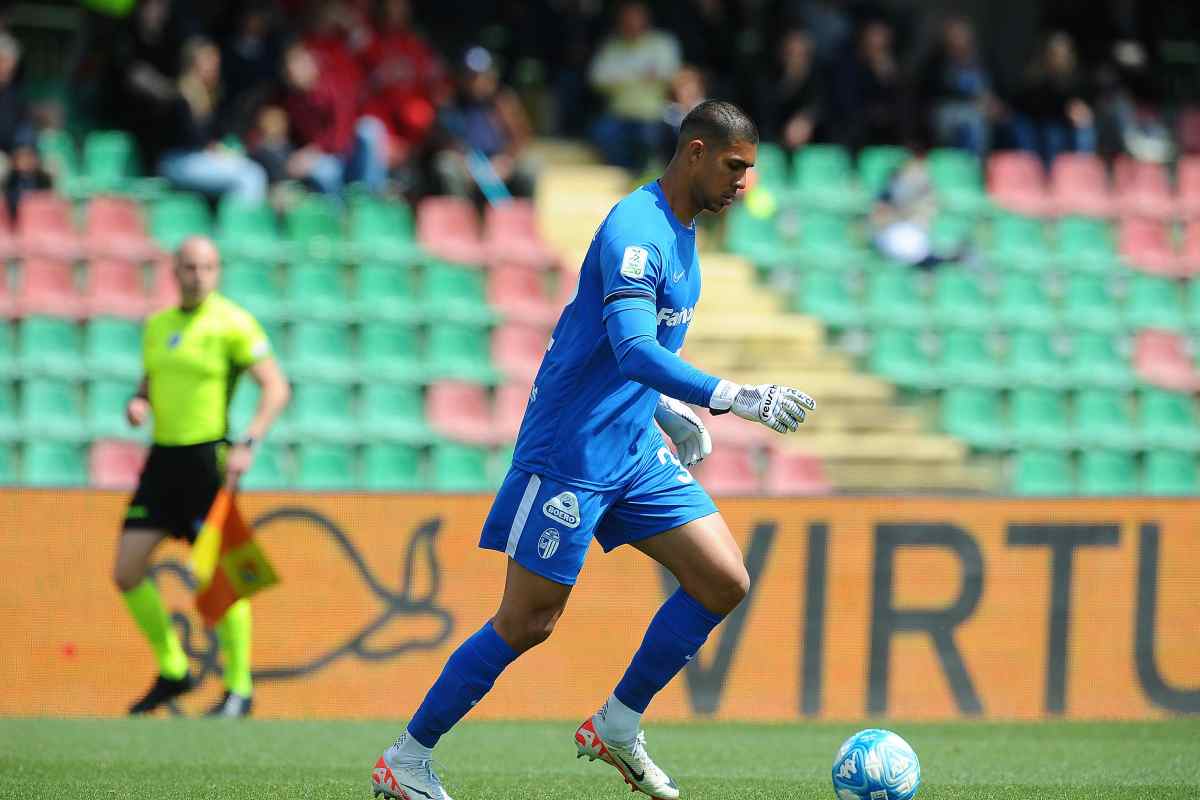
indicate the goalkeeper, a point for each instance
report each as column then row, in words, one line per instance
column 588, row 463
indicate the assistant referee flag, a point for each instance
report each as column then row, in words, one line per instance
column 226, row 561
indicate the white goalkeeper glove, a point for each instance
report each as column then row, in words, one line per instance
column 692, row 442
column 780, row 408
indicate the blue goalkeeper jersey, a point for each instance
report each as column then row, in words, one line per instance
column 585, row 423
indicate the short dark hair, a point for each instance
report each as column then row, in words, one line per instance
column 717, row 122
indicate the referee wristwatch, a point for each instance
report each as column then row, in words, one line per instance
column 249, row 442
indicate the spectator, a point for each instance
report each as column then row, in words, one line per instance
column 335, row 36
column 633, row 70
column 1055, row 115
column 335, row 146
column 791, row 100
column 688, row 90
column 956, row 87
column 196, row 159
column 269, row 143
column 20, row 168
column 250, row 60
column 901, row 221
column 487, row 131
column 868, row 99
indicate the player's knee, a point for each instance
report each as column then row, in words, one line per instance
column 730, row 590
column 127, row 576
column 527, row 630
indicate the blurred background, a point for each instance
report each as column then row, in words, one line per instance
column 971, row 235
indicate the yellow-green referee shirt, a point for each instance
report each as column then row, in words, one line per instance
column 192, row 361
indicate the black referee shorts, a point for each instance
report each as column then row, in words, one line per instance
column 176, row 489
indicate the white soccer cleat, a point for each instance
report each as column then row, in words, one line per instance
column 396, row 777
column 632, row 761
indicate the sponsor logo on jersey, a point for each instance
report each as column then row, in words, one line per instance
column 563, row 507
column 633, row 263
column 672, row 317
column 548, row 542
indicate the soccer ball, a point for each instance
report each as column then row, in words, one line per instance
column 876, row 765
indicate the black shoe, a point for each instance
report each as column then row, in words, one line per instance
column 232, row 705
column 163, row 691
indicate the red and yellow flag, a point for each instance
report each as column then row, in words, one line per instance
column 226, row 561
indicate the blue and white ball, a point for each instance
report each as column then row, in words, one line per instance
column 876, row 765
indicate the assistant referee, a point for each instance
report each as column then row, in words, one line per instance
column 193, row 356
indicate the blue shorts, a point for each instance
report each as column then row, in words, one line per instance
column 546, row 524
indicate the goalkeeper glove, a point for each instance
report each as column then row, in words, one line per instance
column 678, row 421
column 780, row 408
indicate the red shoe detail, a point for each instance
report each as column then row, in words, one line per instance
column 382, row 777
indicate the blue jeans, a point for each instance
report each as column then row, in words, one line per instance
column 215, row 173
column 1048, row 139
column 627, row 142
column 366, row 161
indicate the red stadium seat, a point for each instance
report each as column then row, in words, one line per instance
column 518, row 348
column 729, row 471
column 1147, row 245
column 520, row 294
column 114, row 288
column 164, row 292
column 1187, row 131
column 792, row 473
column 1143, row 189
column 48, row 287
column 1017, row 182
column 8, row 303
column 45, row 228
column 1189, row 186
column 511, row 399
column 8, row 242
column 460, row 411
column 1079, row 185
column 448, row 227
column 115, row 229
column 1161, row 359
column 115, row 465
column 1191, row 248
column 511, row 236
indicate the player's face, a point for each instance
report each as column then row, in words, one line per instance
column 722, row 174
column 198, row 270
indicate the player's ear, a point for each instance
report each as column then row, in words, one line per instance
column 695, row 150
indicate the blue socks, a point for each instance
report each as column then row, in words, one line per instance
column 675, row 634
column 466, row 678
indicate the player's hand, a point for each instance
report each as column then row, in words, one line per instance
column 137, row 410
column 237, row 463
column 780, row 408
column 678, row 421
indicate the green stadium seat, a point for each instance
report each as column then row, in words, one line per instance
column 10, row 428
column 827, row 242
column 177, row 216
column 824, row 179
column 755, row 235
column 1095, row 361
column 459, row 468
column 1103, row 420
column 247, row 231
column 1043, row 473
column 958, row 180
column 252, row 286
column 389, row 351
column 1019, row 243
column 461, row 352
column 959, row 301
column 385, row 292
column 1154, row 302
column 109, row 160
column 501, row 462
column 58, row 152
column 314, row 227
column 453, row 292
column 894, row 299
column 967, row 360
column 322, row 412
column 1168, row 419
column 950, row 234
column 1107, row 473
column 113, row 348
column 51, row 409
column 1086, row 245
column 826, row 296
column 105, row 411
column 1039, row 418
column 877, row 164
column 392, row 467
column 321, row 351
column 243, row 406
column 976, row 416
column 383, row 231
column 771, row 165
column 10, row 364
column 53, row 464
column 1024, row 304
column 896, row 355
column 326, row 467
column 50, row 346
column 1170, row 473
column 8, row 465
column 269, row 470
column 1033, row 361
column 318, row 292
column 1089, row 305
column 393, row 413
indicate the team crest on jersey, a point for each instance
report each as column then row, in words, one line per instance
column 633, row 263
column 174, row 341
column 563, row 507
column 548, row 542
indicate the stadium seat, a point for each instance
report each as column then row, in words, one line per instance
column 461, row 412
column 1193, row 303
column 1019, row 243
column 1103, row 420
column 1146, row 245
column 754, row 234
column 322, row 412
column 727, row 429
column 454, row 292
column 729, row 471
column 1168, row 419
column 385, row 292
column 392, row 467
column 519, row 294
column 269, row 470
column 1039, row 418
column 826, row 242
column 823, row 179
column 252, row 286
column 1154, row 302
column 48, row 287
column 243, row 406
column 10, row 426
column 114, row 228
column 1033, row 361
column 164, row 289
column 976, row 416
column 448, row 227
column 1170, row 473
column 518, row 349
column 771, row 166
column 53, row 464
column 314, row 227
column 510, row 236
column 894, row 299
column 1095, row 361
column 115, row 465
column 325, row 467
column 1024, row 304
column 827, row 296
column 392, row 412
column 1161, row 359
column 109, row 160
column 1016, row 182
column 1106, row 473
column 1089, row 306
column 1086, row 245
column 318, row 292
column 959, row 301
column 1142, row 188
column 877, row 164
column 247, row 231
column 50, row 346
column 1079, row 185
column 177, row 216
column 1043, row 473
column 1188, row 191
column 321, row 351
column 382, row 231
column 958, row 180
column 104, row 410
column 459, row 468
column 951, row 233
column 1190, row 257
column 10, row 364
column 8, row 466
column 511, row 400
column 460, row 352
column 45, row 227
column 896, row 355
column 115, row 288
column 501, row 461
column 390, row 351
column 967, row 359
column 792, row 473
column 113, row 348
column 50, row 409
column 61, row 159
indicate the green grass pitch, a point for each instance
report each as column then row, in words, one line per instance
column 163, row 759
